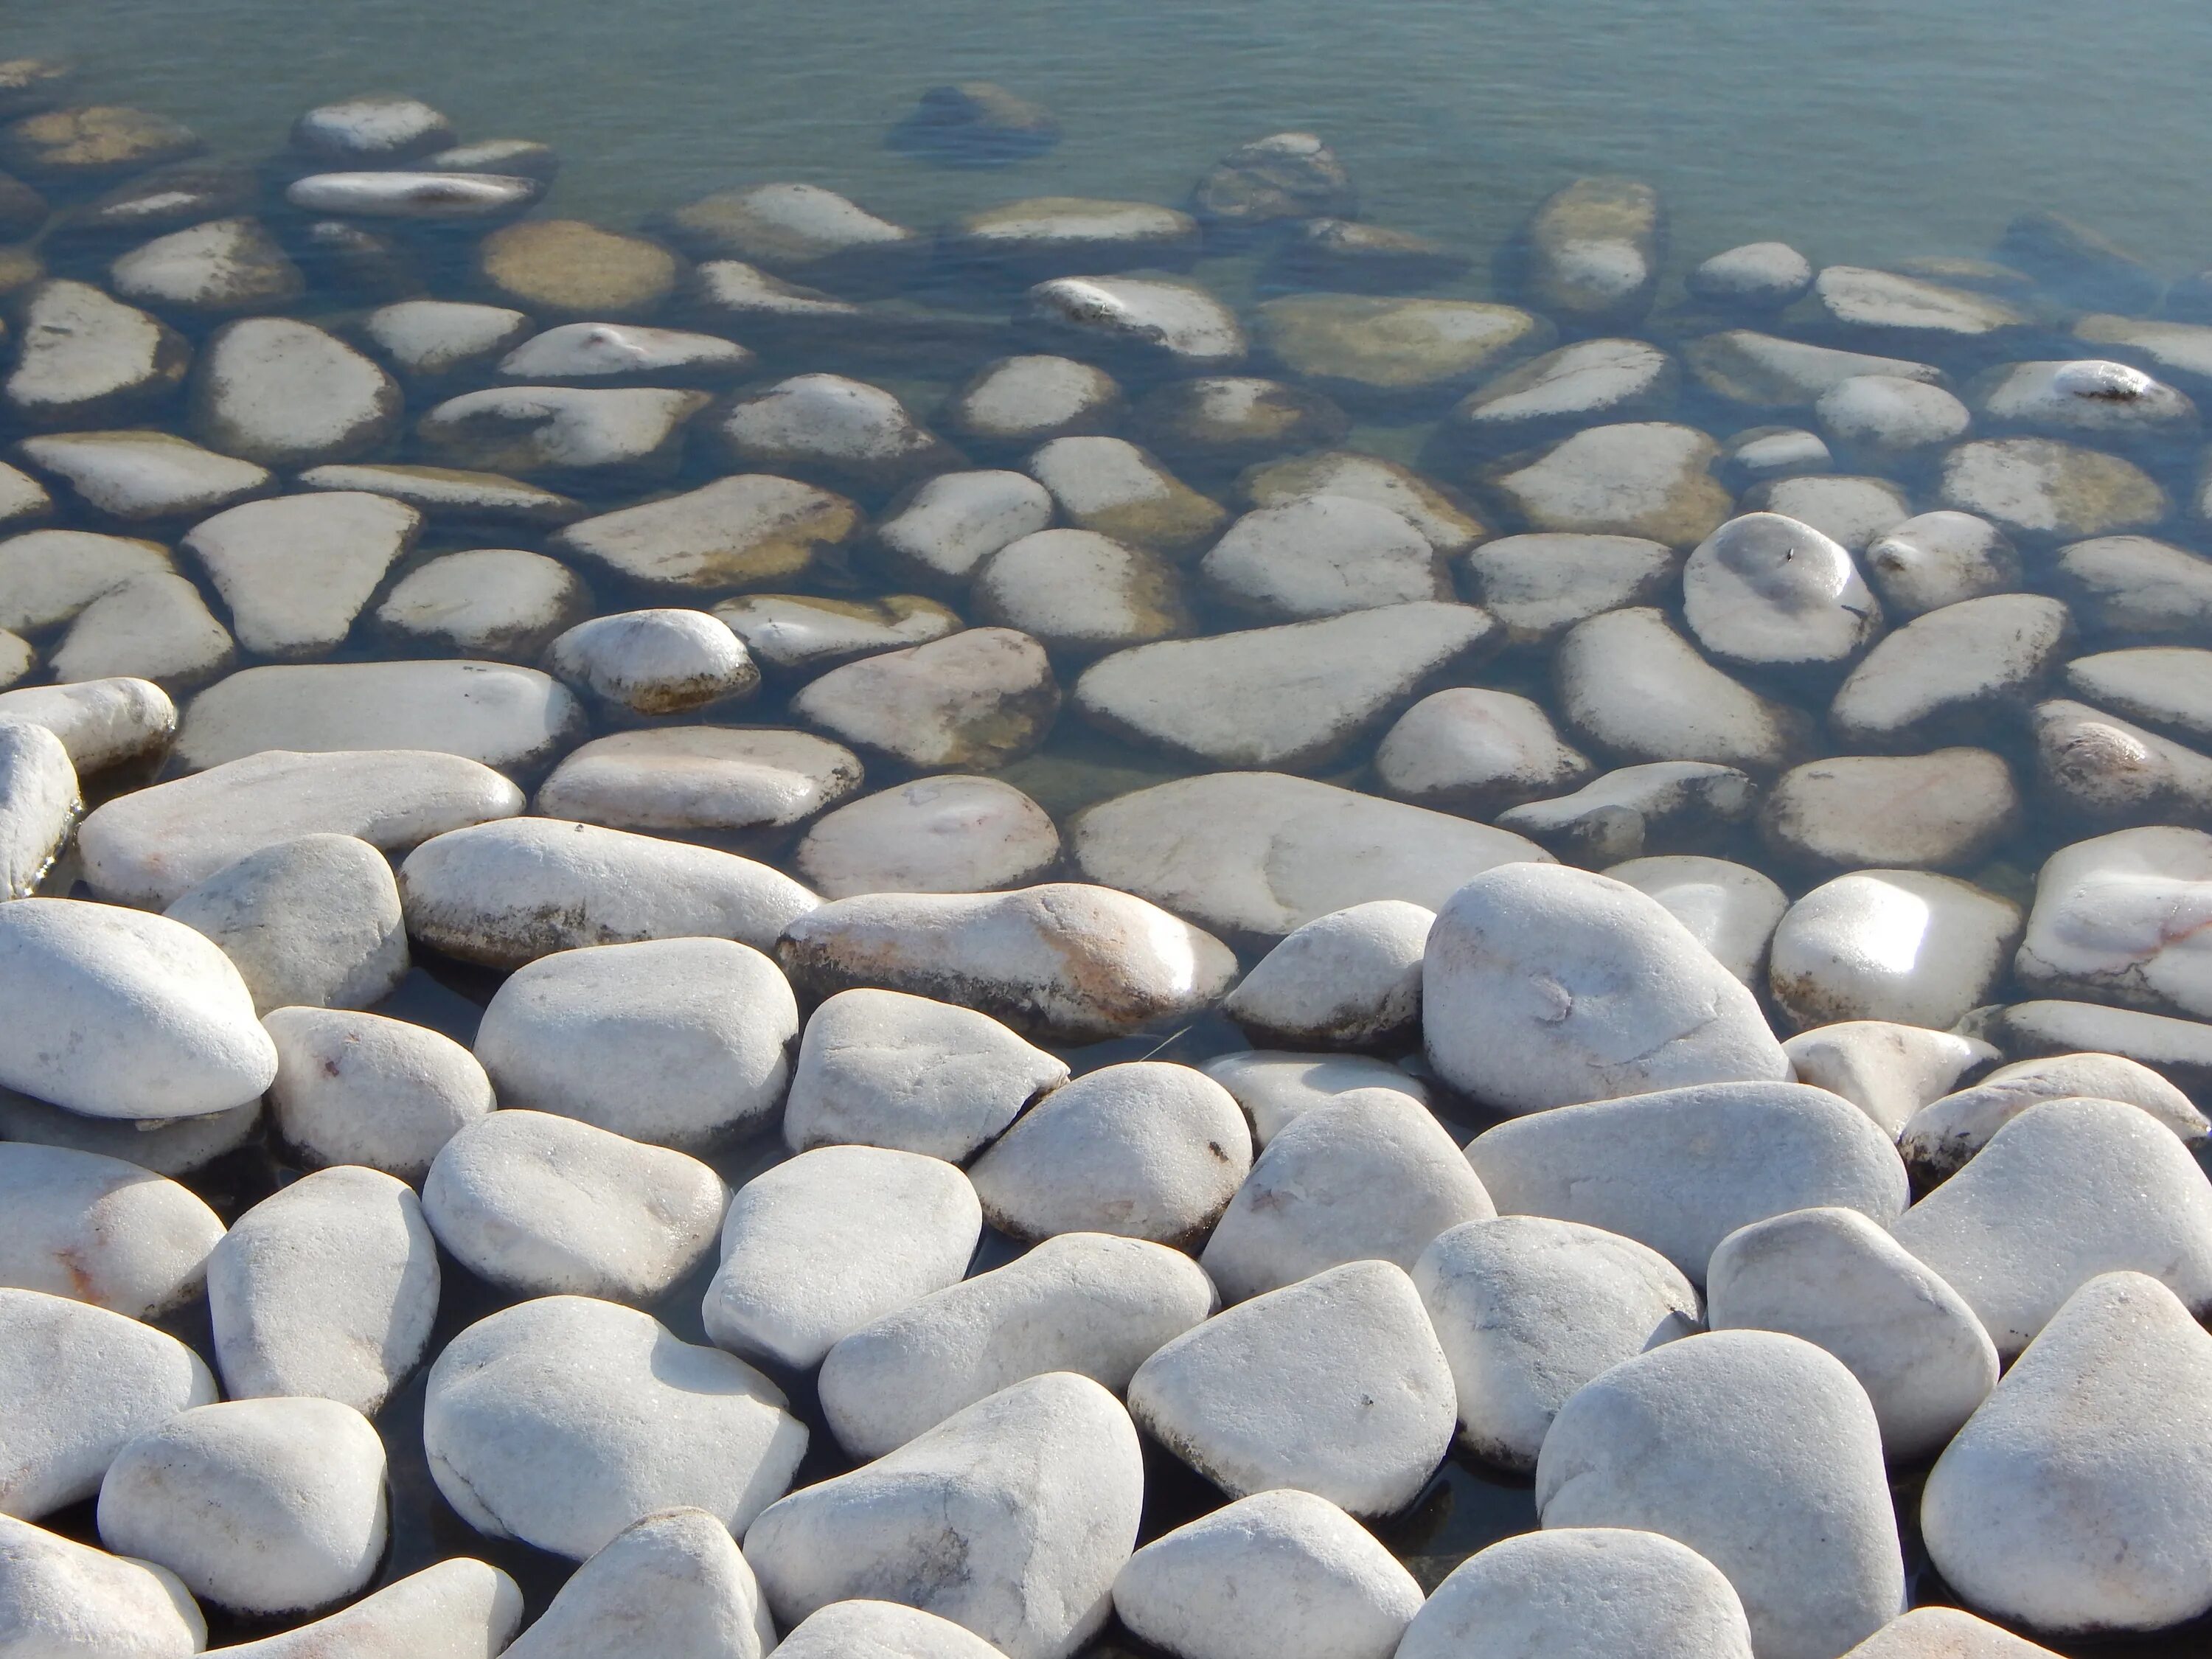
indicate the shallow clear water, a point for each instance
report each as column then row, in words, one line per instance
column 1860, row 131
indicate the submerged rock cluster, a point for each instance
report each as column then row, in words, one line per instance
column 932, row 943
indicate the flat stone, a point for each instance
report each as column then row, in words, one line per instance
column 681, row 1041
column 2115, row 918
column 995, row 1490
column 674, row 1582
column 448, row 493
column 1263, row 853
column 1017, row 402
column 86, row 359
column 654, row 662
column 1087, row 1302
column 1759, row 1451
column 1889, row 1071
column 614, row 354
column 428, row 196
column 1076, row 963
column 261, row 1506
column 117, row 1010
column 515, row 718
column 1540, row 586
column 60, row 1596
column 23, row 498
column 1373, row 1176
column 972, row 124
column 1333, row 1385
column 1891, row 944
column 503, row 603
column 2077, row 262
column 1345, row 253
column 375, row 126
column 1936, row 559
column 832, row 1241
column 1839, row 1281
column 1951, row 671
column 426, row 340
column 945, row 530
column 1945, row 810
column 804, row 634
column 704, row 780
column 99, row 1231
column 220, row 268
column 456, row 1610
column 1942, row 1133
column 1883, row 305
column 842, row 433
column 566, row 268
column 881, row 1068
column 1144, row 321
column 328, row 1288
column 1634, row 810
column 1248, row 698
column 1759, row 455
column 740, row 532
column 2068, row 1503
column 1649, row 479
column 1142, row 1150
column 2132, row 585
column 2164, row 686
column 1593, row 251
column 749, row 301
column 1229, row 420
column 147, row 847
column 1683, row 1168
column 939, row 834
column 2178, row 1049
column 312, row 922
column 1320, row 1586
column 143, row 477
column 154, row 627
column 1527, row 1310
column 1045, row 236
column 2067, row 1190
column 1475, row 751
column 296, row 571
column 39, row 804
column 562, row 1421
column 977, row 699
column 1765, row 372
column 619, row 431
column 1321, row 556
column 544, row 1206
column 357, row 1088
column 800, row 231
column 94, row 141
column 1274, row 1087
column 1080, row 594
column 287, row 394
column 1348, row 980
column 1754, row 277
column 1441, row 515
column 1110, row 486
column 1589, row 383
column 2049, row 490
column 1284, row 175
column 1730, row 909
column 1370, row 350
column 1851, row 511
column 2092, row 395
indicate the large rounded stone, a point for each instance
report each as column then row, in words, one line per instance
column 101, row 1230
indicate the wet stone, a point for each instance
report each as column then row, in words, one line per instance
column 1632, row 687
column 2089, row 395
column 93, row 140
column 545, row 1206
column 799, row 231
column 1648, row 478
column 436, row 197
column 1368, row 351
column 2110, row 921
column 1284, row 175
column 613, row 354
column 1527, row 1310
column 1112, row 487
column 976, row 124
column 1939, row 558
column 154, row 627
column 842, row 433
column 515, row 890
column 1887, row 419
column 2164, row 686
column 1851, row 511
column 881, row 1068
column 735, row 532
column 654, row 662
column 803, row 634
column 147, row 847
column 1761, row 453
column 17, row 658
column 2045, row 488
column 1015, row 402
column 448, row 494
column 297, row 570
column 701, row 780
column 1261, row 853
column 1541, row 585
column 1730, row 909
column 1438, row 513
column 1945, row 810
column 1063, row 960
column 312, row 922
column 1475, row 751
column 22, row 210
column 1147, row 322
column 1758, row 276
column 141, row 477
column 1593, row 251
column 502, row 603
column 424, row 340
column 947, row 526
column 510, row 718
column 1588, row 383
column 86, row 358
column 40, row 804
column 1944, row 1132
column 979, row 698
column 568, row 268
column 1894, row 945
column 937, row 834
column 1764, row 590
column 1229, row 699
column 360, row 1089
column 2180, row 350
column 23, row 498
column 766, row 309
column 2176, row 1048
column 1345, row 253
column 2088, row 268
column 1951, row 670
column 634, row 432
column 1765, row 371
column 1323, row 555
column 1047, row 236
column 1230, row 420
column 373, row 127
column 1079, row 594
column 217, row 269
column 1881, row 304
column 2132, row 585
